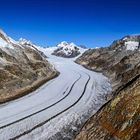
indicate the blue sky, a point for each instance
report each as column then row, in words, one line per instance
column 89, row 22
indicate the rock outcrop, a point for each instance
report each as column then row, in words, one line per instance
column 23, row 68
column 120, row 61
column 118, row 119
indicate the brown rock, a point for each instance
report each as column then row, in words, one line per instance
column 23, row 68
column 119, row 119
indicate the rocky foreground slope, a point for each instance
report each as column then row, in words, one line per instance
column 23, row 68
column 119, row 118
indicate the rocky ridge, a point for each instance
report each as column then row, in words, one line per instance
column 23, row 68
column 118, row 119
column 120, row 61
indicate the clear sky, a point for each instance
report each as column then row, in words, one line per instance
column 89, row 22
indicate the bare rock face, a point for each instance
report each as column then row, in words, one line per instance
column 22, row 68
column 119, row 118
column 67, row 50
column 120, row 61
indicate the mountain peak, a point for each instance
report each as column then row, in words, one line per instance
column 66, row 44
column 67, row 49
column 24, row 41
column 5, row 41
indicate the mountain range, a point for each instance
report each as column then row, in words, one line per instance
column 93, row 94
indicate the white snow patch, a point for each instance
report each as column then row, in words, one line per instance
column 131, row 45
column 5, row 44
column 2, row 42
column 12, row 40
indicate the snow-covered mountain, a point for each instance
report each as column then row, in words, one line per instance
column 68, row 50
column 22, row 67
column 27, row 43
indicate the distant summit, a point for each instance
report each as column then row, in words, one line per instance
column 68, row 50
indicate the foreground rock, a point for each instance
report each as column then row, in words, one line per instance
column 119, row 118
column 67, row 50
column 23, row 68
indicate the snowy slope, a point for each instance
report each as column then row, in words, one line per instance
column 27, row 43
column 5, row 41
column 131, row 42
column 132, row 45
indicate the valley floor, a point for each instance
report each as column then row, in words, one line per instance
column 58, row 109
